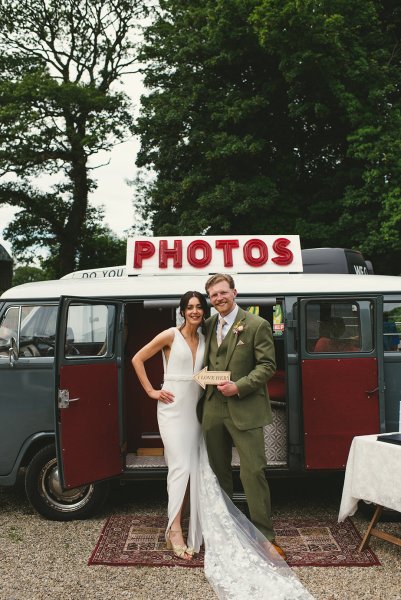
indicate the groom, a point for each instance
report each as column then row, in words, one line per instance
column 236, row 410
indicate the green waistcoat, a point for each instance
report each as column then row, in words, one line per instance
column 216, row 362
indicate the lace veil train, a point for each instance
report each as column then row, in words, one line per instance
column 239, row 562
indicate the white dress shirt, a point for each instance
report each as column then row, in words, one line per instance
column 229, row 321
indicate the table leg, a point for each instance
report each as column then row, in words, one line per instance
column 371, row 525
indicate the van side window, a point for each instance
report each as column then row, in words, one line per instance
column 37, row 331
column 8, row 330
column 33, row 328
column 87, row 332
column 339, row 327
column 391, row 326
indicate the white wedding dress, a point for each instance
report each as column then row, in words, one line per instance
column 180, row 431
column 239, row 562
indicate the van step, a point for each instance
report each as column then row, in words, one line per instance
column 133, row 461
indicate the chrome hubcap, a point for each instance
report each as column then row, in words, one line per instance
column 54, row 495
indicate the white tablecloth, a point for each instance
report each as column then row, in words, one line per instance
column 373, row 474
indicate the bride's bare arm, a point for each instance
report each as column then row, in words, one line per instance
column 162, row 341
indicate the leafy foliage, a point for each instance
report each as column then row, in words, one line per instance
column 58, row 107
column 341, row 63
column 28, row 274
column 97, row 245
column 207, row 123
column 275, row 116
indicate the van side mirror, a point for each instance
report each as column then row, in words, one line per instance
column 13, row 352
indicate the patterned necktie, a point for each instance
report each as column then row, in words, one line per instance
column 220, row 326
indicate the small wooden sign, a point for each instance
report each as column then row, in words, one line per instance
column 205, row 377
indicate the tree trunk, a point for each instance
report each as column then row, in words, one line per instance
column 78, row 175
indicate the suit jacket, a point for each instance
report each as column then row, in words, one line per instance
column 251, row 359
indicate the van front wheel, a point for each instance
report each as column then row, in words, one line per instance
column 44, row 491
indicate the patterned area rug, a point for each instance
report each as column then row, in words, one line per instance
column 128, row 540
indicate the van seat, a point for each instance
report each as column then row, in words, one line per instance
column 276, row 386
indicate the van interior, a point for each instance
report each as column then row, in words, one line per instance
column 144, row 445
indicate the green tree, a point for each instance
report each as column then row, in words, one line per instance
column 98, row 246
column 27, row 274
column 101, row 248
column 274, row 116
column 59, row 106
column 208, row 126
column 341, row 65
column 35, row 235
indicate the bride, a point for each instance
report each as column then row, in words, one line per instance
column 239, row 562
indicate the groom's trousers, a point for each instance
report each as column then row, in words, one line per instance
column 219, row 432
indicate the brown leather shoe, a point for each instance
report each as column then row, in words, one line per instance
column 279, row 550
column 272, row 549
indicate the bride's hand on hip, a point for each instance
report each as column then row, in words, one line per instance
column 163, row 395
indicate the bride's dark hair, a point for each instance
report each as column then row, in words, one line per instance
column 202, row 300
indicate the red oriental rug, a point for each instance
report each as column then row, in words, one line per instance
column 129, row 540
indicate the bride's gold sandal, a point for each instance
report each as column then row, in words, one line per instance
column 179, row 551
column 190, row 551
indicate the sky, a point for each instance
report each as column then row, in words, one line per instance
column 112, row 191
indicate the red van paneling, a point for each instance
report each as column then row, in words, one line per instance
column 336, row 407
column 90, row 425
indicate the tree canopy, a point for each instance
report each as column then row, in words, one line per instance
column 275, row 116
column 59, row 106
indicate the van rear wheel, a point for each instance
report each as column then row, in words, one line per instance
column 44, row 491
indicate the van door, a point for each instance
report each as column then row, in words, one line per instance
column 89, row 365
column 342, row 376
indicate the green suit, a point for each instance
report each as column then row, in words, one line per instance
column 249, row 355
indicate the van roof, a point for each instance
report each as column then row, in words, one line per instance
column 175, row 285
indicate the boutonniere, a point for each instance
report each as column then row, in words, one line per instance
column 238, row 328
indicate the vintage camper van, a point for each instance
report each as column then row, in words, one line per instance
column 74, row 415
